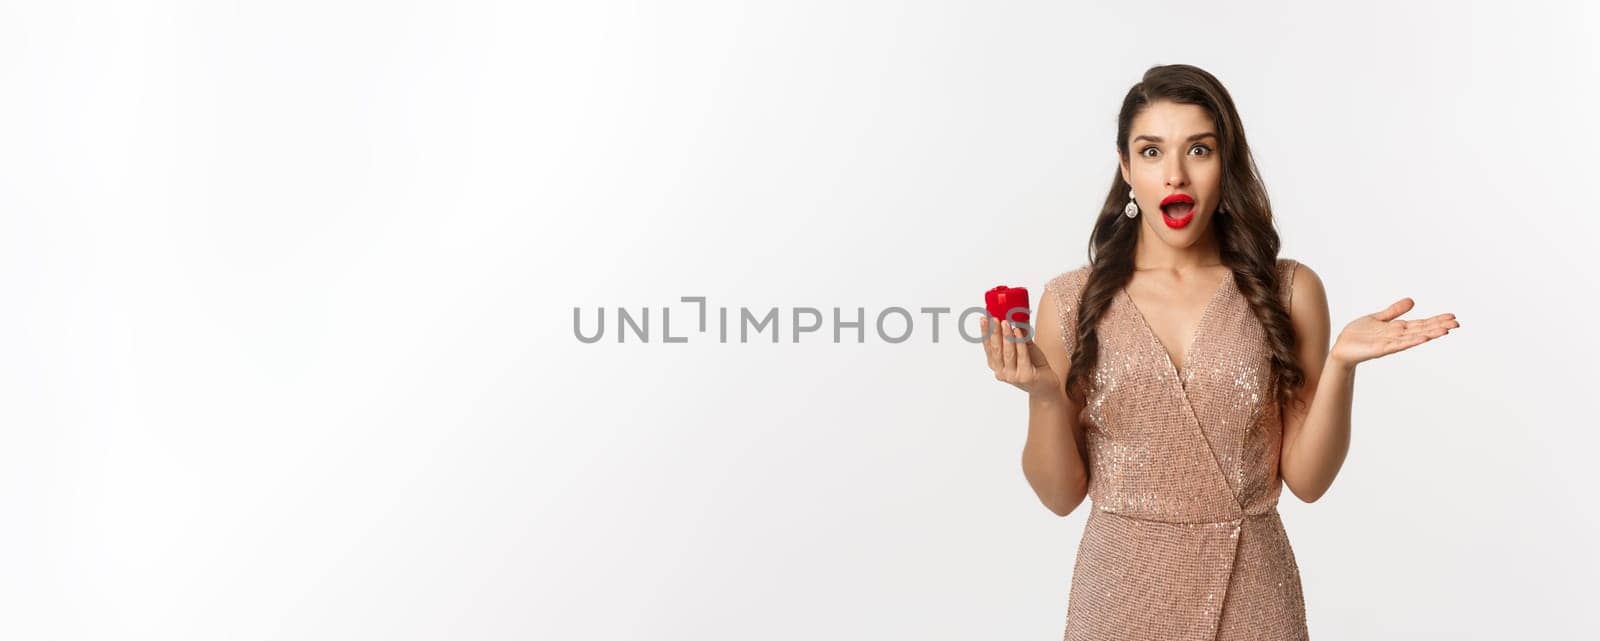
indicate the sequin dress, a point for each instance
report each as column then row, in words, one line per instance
column 1183, row 540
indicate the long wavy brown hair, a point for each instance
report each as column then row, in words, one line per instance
column 1246, row 234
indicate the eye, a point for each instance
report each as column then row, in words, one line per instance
column 1149, row 152
column 1204, row 150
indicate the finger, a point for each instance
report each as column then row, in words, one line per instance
column 1020, row 358
column 1393, row 310
column 1440, row 328
column 1401, row 344
column 1437, row 318
column 1415, row 341
column 1008, row 355
column 1440, row 325
column 991, row 352
column 1418, row 333
column 1435, row 326
column 1423, row 336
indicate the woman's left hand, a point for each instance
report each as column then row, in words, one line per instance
column 1380, row 334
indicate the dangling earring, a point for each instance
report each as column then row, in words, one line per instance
column 1132, row 209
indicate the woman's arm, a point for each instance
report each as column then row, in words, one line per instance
column 1052, row 457
column 1316, row 429
column 1316, row 433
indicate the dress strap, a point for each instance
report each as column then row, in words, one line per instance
column 1286, row 280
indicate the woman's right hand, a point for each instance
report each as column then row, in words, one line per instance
column 1017, row 361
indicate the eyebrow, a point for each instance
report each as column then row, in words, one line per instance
column 1158, row 138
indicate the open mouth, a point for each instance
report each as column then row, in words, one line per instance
column 1177, row 209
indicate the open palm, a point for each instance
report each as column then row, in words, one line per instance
column 1383, row 333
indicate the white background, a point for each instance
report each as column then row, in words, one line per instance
column 288, row 344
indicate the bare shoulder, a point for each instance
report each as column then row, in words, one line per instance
column 1308, row 311
column 1070, row 282
column 1062, row 291
column 1306, row 291
column 1058, row 308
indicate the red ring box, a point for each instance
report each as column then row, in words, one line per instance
column 1003, row 299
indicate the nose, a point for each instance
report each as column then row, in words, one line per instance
column 1177, row 176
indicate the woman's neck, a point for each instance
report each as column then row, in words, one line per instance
column 1152, row 253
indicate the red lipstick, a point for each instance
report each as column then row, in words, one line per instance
column 1183, row 204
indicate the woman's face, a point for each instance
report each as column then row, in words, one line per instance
column 1172, row 149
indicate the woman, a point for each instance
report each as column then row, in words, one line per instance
column 1179, row 375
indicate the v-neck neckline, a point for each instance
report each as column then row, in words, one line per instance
column 1194, row 339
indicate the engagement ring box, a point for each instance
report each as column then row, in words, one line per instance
column 1002, row 300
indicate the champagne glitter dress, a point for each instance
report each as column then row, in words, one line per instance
column 1183, row 539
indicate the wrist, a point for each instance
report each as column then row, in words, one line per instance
column 1047, row 398
column 1338, row 366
